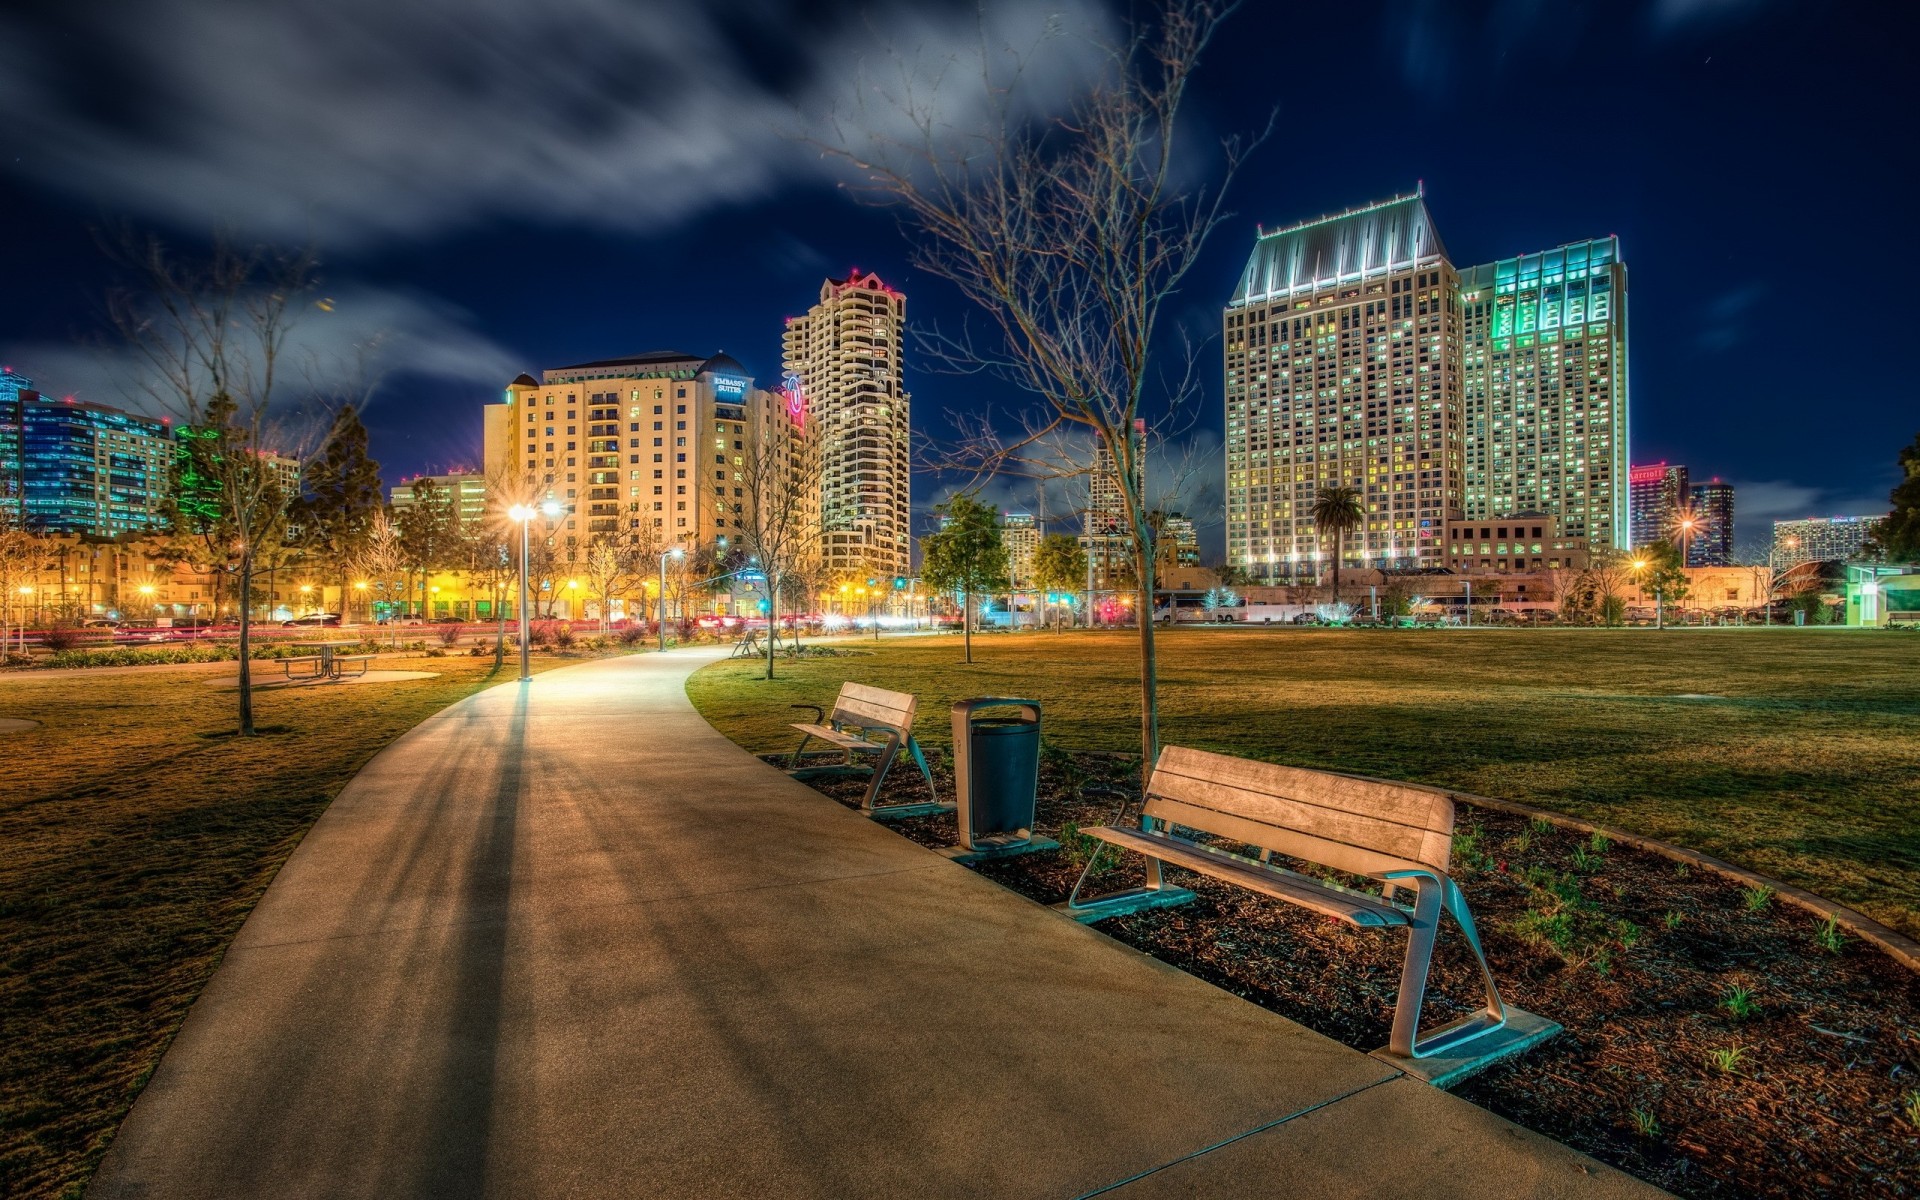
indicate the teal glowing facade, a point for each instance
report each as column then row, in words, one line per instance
column 1356, row 354
column 1544, row 381
column 90, row 469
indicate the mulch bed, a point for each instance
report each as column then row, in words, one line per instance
column 1717, row 1044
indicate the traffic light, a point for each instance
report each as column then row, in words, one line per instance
column 765, row 604
column 899, row 583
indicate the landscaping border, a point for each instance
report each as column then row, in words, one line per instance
column 1898, row 946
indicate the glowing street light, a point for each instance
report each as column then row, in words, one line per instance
column 675, row 552
column 524, row 514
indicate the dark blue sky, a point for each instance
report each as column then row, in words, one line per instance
column 543, row 184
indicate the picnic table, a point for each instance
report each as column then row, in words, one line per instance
column 328, row 660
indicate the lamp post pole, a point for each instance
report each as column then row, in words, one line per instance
column 676, row 552
column 524, row 515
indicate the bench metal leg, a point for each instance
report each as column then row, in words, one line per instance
column 1153, row 894
column 890, row 811
column 1435, row 894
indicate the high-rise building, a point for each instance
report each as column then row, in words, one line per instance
column 465, row 490
column 1343, row 368
column 1656, row 494
column 88, row 468
column 1820, row 539
column 1106, row 501
column 12, row 483
column 1356, row 355
column 653, row 439
column 843, row 358
column 1179, row 541
column 1544, row 380
column 1020, row 534
column 1710, row 542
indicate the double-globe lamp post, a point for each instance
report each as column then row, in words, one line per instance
column 675, row 552
column 524, row 514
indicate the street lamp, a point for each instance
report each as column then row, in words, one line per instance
column 1773, row 576
column 524, row 514
column 361, row 587
column 675, row 552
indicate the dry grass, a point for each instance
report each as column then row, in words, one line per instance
column 135, row 835
column 1796, row 756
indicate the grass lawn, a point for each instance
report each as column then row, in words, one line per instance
column 1790, row 751
column 135, row 835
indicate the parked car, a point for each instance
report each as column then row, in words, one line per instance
column 99, row 623
column 328, row 620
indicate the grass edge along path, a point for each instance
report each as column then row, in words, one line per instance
column 1787, row 752
column 136, row 834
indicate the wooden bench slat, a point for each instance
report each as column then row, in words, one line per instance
column 1293, row 843
column 843, row 740
column 904, row 702
column 1362, row 911
column 875, row 714
column 1401, row 805
column 1361, row 832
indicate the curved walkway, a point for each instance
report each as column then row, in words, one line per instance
column 565, row 939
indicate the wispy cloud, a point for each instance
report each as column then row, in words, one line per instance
column 363, row 120
column 1758, row 503
column 361, row 332
column 1674, row 16
column 1725, row 323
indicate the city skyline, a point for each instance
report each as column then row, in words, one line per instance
column 718, row 262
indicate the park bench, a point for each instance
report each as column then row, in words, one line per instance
column 747, row 646
column 868, row 720
column 1398, row 835
column 365, row 660
column 314, row 671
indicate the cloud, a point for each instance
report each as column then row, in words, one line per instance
column 1674, row 16
column 392, row 335
column 361, row 121
column 1724, row 324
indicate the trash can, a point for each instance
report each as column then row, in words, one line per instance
column 996, row 775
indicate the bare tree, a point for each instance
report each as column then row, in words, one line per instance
column 611, row 567
column 212, row 338
column 18, row 555
column 777, row 526
column 381, row 563
column 1071, row 235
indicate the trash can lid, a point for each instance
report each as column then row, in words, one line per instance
column 998, row 725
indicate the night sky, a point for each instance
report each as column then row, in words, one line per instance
column 501, row 186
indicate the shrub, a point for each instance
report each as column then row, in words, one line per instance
column 62, row 637
column 632, row 635
column 449, row 635
column 540, row 633
column 1727, row 1059
column 563, row 635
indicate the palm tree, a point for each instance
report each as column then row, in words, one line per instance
column 1336, row 511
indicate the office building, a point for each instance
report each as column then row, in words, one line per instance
column 1521, row 542
column 1357, row 355
column 466, row 491
column 1656, row 494
column 1710, row 541
column 650, row 443
column 12, row 483
column 1544, row 387
column 1103, row 524
column 1820, row 539
column 81, row 468
column 1179, row 541
column 842, row 364
column 1021, row 535
column 1343, row 368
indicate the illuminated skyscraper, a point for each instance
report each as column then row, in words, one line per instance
column 1021, row 535
column 67, row 466
column 844, row 357
column 1356, row 355
column 1544, row 378
column 1343, row 367
column 1656, row 492
column 652, row 439
column 1711, row 542
column 1821, row 539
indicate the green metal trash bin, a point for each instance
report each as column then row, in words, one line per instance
column 996, row 775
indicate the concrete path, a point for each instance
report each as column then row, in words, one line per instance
column 565, row 940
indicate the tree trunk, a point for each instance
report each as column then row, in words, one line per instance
column 1149, row 664
column 246, row 643
column 966, row 622
column 773, row 619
